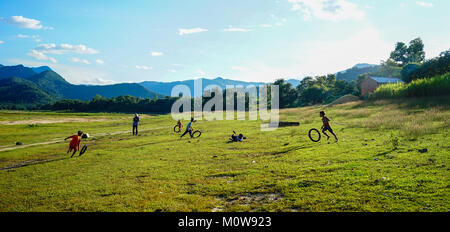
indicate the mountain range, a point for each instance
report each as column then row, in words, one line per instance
column 352, row 74
column 165, row 88
column 41, row 85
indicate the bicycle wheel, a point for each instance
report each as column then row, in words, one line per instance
column 176, row 129
column 83, row 150
column 197, row 134
column 314, row 135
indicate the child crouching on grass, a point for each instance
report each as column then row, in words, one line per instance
column 74, row 143
column 326, row 126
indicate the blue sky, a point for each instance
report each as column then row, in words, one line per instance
column 113, row 41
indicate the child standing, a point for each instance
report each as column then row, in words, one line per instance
column 136, row 120
column 326, row 126
column 179, row 124
column 74, row 143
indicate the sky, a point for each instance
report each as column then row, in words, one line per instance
column 105, row 42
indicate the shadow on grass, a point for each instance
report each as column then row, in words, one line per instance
column 386, row 153
column 296, row 148
column 32, row 162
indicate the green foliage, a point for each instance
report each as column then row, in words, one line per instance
column 400, row 53
column 388, row 69
column 436, row 86
column 433, row 67
column 353, row 73
column 115, row 104
column 394, row 141
column 313, row 95
column 18, row 93
column 322, row 89
column 407, row 70
column 413, row 53
column 287, row 93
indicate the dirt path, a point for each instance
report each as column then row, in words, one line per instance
column 53, row 141
column 50, row 120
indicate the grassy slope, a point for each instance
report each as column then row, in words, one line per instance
column 157, row 171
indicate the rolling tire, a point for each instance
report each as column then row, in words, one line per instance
column 83, row 150
column 176, row 129
column 197, row 134
column 314, row 138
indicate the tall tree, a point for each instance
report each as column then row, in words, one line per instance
column 287, row 93
column 400, row 54
column 403, row 54
column 415, row 51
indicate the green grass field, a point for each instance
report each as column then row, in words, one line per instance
column 375, row 166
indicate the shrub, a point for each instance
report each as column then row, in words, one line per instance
column 436, row 86
column 433, row 67
column 407, row 70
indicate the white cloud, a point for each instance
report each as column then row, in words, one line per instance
column 265, row 25
column 331, row 10
column 172, row 70
column 23, row 22
column 41, row 51
column 78, row 60
column 65, row 48
column 235, row 29
column 191, row 31
column 1, row 42
column 153, row 53
column 98, row 61
column 41, row 56
column 34, row 37
column 201, row 72
column 143, row 67
column 424, row 4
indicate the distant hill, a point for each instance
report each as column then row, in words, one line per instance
column 20, row 91
column 353, row 73
column 22, row 85
column 41, row 69
column 52, row 83
column 165, row 88
column 16, row 71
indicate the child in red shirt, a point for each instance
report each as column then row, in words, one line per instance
column 74, row 143
column 179, row 125
column 326, row 126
